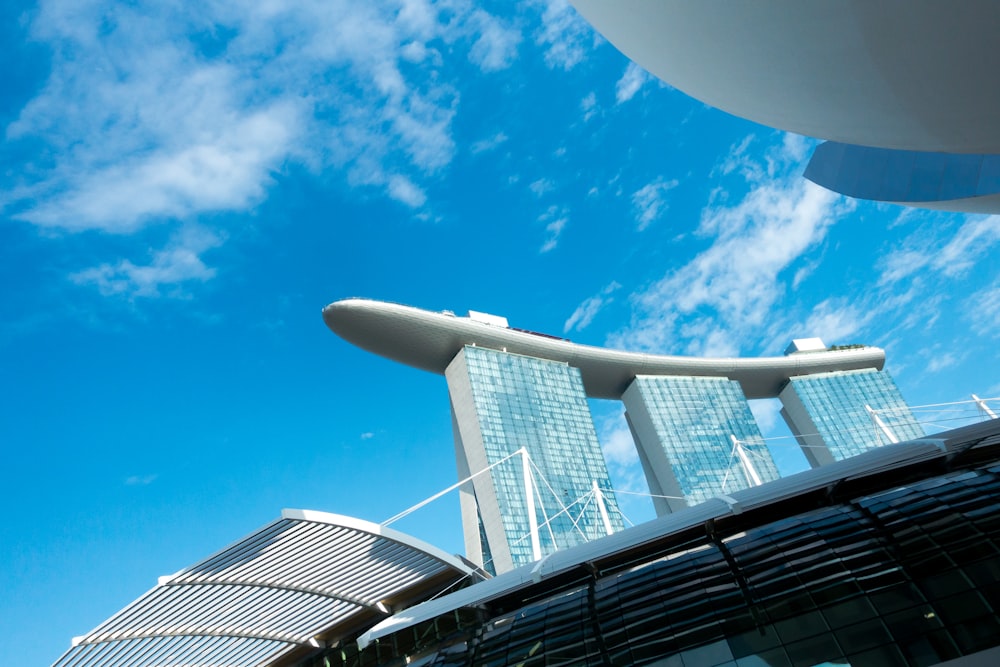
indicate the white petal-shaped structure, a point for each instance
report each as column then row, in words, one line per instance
column 304, row 580
column 902, row 74
column 904, row 90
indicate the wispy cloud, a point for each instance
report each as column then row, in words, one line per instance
column 140, row 480
column 616, row 441
column 564, row 35
column 404, row 190
column 162, row 113
column 982, row 310
column 230, row 170
column 490, row 143
column 555, row 219
column 650, row 202
column 721, row 299
column 180, row 262
column 835, row 320
column 739, row 160
column 940, row 360
column 496, row 46
column 941, row 248
column 588, row 310
column 632, row 80
column 589, row 106
column 974, row 239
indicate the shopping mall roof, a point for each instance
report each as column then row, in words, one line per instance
column 889, row 465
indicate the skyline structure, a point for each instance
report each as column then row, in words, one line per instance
column 834, row 416
column 517, row 416
column 898, row 91
column 696, row 439
column 520, row 392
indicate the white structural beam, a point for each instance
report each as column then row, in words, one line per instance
column 985, row 408
column 881, row 425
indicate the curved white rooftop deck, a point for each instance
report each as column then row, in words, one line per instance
column 430, row 340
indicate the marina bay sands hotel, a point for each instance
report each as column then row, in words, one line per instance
column 519, row 407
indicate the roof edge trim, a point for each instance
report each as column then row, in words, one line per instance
column 316, row 516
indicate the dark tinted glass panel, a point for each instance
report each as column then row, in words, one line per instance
column 855, row 638
column 813, row 651
column 882, row 656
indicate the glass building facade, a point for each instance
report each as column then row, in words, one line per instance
column 502, row 403
column 838, row 415
column 899, row 569
column 696, row 437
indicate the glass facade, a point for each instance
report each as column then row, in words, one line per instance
column 906, row 574
column 828, row 413
column 522, row 402
column 698, row 437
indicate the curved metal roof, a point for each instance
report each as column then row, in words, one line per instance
column 302, row 580
column 894, row 73
column 873, row 462
column 429, row 341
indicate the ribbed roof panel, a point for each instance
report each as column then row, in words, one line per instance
column 278, row 589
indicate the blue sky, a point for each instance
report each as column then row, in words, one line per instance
column 184, row 188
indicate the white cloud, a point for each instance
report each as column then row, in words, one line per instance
column 939, row 249
column 140, row 480
column 228, row 171
column 941, row 360
column 555, row 219
column 766, row 412
column 795, row 147
column 542, row 186
column 617, row 444
column 404, row 190
column 554, row 229
column 974, row 239
column 496, row 46
column 589, row 106
column 565, row 35
column 721, row 301
column 901, row 264
column 490, row 143
column 835, row 320
column 982, row 310
column 650, row 202
column 804, row 272
column 587, row 311
column 739, row 159
column 180, row 262
column 158, row 113
column 630, row 83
